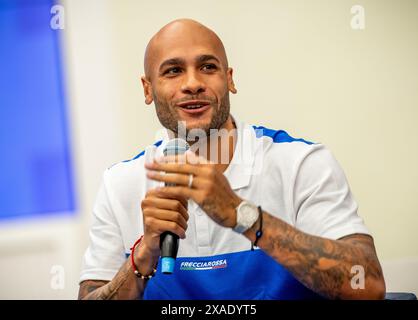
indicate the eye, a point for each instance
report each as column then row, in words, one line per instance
column 209, row 67
column 172, row 71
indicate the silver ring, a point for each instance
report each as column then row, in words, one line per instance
column 190, row 180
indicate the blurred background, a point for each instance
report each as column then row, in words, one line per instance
column 344, row 73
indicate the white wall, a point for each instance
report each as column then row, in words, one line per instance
column 298, row 66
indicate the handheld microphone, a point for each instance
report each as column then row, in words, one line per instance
column 169, row 242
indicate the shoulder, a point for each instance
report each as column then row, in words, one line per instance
column 278, row 146
column 291, row 156
column 125, row 173
column 278, row 136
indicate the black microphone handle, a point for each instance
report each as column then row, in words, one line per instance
column 169, row 244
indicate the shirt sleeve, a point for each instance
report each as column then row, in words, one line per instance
column 322, row 200
column 105, row 253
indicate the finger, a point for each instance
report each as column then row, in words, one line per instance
column 178, row 179
column 177, row 191
column 173, row 204
column 187, row 158
column 183, row 200
column 160, row 226
column 172, row 178
column 153, row 193
column 173, row 167
column 169, row 215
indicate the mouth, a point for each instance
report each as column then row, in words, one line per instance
column 194, row 106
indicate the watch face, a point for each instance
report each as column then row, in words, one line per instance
column 247, row 215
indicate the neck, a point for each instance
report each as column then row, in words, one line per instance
column 218, row 147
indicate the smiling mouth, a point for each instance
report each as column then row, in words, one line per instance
column 194, row 105
column 190, row 107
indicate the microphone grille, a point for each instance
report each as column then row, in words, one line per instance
column 176, row 146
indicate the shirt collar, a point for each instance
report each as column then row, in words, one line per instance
column 241, row 167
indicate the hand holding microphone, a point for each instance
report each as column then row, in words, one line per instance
column 192, row 177
column 165, row 218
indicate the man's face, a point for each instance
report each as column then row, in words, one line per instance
column 189, row 81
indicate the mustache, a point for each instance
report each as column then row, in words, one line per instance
column 195, row 97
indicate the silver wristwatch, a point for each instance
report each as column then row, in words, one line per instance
column 247, row 215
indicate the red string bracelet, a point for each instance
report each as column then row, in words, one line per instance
column 136, row 271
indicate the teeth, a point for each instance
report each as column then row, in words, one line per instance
column 193, row 107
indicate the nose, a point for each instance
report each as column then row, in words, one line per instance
column 192, row 84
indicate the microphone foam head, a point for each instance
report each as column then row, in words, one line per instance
column 176, row 146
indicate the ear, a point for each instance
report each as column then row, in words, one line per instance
column 231, row 84
column 147, row 90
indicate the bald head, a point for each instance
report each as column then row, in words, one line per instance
column 177, row 37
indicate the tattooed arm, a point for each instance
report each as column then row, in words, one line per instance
column 125, row 285
column 321, row 264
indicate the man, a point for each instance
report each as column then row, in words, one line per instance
column 287, row 195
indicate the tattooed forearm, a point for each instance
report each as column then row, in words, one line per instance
column 89, row 286
column 125, row 285
column 323, row 265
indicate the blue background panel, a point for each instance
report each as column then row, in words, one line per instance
column 35, row 160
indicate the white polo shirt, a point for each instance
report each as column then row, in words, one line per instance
column 295, row 180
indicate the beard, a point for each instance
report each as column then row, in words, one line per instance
column 169, row 117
